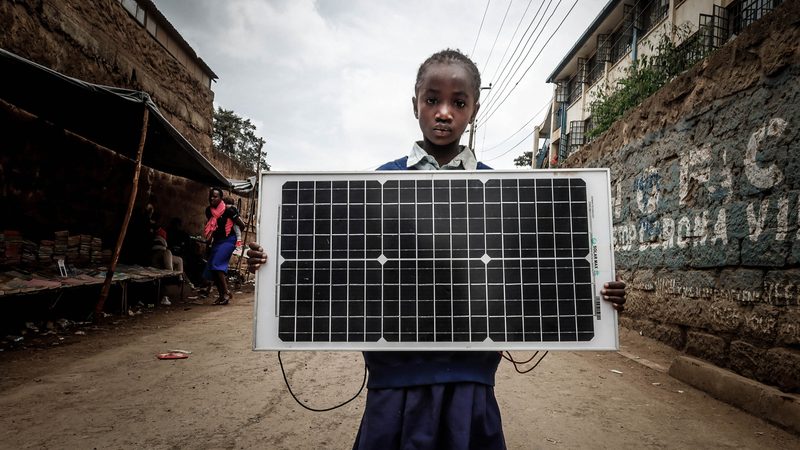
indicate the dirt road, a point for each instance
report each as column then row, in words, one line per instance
column 109, row 391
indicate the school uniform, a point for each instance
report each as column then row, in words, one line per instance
column 431, row 400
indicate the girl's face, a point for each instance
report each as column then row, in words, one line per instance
column 445, row 104
column 214, row 198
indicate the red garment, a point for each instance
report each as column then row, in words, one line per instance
column 211, row 225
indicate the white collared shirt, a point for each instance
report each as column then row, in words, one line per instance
column 419, row 159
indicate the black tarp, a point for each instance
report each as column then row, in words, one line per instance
column 108, row 116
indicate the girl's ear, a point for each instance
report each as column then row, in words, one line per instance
column 475, row 112
column 414, row 105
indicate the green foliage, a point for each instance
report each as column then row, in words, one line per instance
column 644, row 77
column 236, row 137
column 523, row 160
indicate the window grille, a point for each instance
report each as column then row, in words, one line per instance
column 649, row 13
column 574, row 88
column 594, row 70
column 562, row 91
column 691, row 50
column 714, row 28
column 621, row 38
column 581, row 74
column 563, row 148
column 557, row 122
column 576, row 135
column 742, row 13
column 603, row 48
column 588, row 125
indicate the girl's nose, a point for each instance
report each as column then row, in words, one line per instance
column 443, row 112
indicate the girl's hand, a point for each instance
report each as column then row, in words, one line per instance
column 614, row 292
column 256, row 257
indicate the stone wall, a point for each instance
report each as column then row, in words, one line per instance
column 706, row 185
column 98, row 41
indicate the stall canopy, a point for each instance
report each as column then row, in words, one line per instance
column 243, row 187
column 108, row 116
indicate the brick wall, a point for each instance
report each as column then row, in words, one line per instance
column 98, row 41
column 706, row 184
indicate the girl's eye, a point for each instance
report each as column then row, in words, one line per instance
column 430, row 101
column 461, row 104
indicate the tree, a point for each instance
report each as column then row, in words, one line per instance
column 524, row 160
column 236, row 137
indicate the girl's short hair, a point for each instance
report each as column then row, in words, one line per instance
column 219, row 190
column 451, row 56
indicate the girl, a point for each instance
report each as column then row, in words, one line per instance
column 436, row 400
column 219, row 230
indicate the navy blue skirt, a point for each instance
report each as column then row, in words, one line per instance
column 439, row 416
column 220, row 256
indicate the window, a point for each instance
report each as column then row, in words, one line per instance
column 594, row 69
column 574, row 88
column 576, row 135
column 649, row 13
column 621, row 38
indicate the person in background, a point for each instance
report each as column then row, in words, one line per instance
column 219, row 231
column 437, row 399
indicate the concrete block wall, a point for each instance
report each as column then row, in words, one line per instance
column 706, row 187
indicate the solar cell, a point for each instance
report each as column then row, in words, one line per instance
column 435, row 260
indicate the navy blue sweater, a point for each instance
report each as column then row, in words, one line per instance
column 406, row 369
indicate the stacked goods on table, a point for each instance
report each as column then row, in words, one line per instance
column 29, row 252
column 73, row 248
column 84, row 249
column 96, row 251
column 80, row 250
column 46, row 249
column 60, row 249
column 13, row 248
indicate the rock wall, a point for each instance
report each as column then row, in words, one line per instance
column 706, row 185
column 98, row 41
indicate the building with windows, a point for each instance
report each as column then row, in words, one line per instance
column 624, row 31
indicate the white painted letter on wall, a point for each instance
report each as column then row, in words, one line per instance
column 766, row 177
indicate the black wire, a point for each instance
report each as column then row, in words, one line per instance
column 497, row 36
column 472, row 54
column 502, row 58
column 496, row 106
column 504, row 79
column 517, row 363
column 286, row 380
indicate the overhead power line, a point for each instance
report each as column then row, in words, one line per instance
column 472, row 53
column 500, row 78
column 484, row 151
column 496, row 100
column 490, row 114
column 510, row 2
column 522, row 17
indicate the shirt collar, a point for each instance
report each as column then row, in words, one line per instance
column 420, row 159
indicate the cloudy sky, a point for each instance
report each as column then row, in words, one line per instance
column 328, row 83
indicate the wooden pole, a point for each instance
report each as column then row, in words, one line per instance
column 124, row 229
column 250, row 207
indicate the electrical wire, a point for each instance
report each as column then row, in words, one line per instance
column 472, row 53
column 286, row 380
column 509, row 150
column 532, row 62
column 518, row 363
column 501, row 85
column 488, row 58
column 514, row 133
column 522, row 17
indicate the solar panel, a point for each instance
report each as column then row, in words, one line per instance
column 435, row 260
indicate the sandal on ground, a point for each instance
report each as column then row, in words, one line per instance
column 224, row 300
